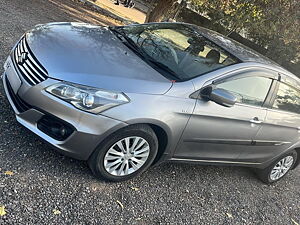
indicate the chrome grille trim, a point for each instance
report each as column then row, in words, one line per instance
column 32, row 58
column 30, row 68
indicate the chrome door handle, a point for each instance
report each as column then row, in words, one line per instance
column 256, row 120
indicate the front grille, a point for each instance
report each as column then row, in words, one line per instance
column 21, row 105
column 27, row 64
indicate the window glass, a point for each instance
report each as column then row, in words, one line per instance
column 248, row 90
column 179, row 48
column 287, row 99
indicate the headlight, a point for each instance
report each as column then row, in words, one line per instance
column 85, row 98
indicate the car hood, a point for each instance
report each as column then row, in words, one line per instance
column 94, row 56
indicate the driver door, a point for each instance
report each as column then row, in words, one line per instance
column 218, row 133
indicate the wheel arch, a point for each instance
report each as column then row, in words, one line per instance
column 161, row 130
column 163, row 141
column 298, row 158
column 163, row 134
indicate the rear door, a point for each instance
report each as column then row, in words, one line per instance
column 215, row 132
column 281, row 128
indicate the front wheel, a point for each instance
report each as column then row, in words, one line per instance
column 279, row 168
column 125, row 154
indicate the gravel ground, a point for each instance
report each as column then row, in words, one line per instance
column 48, row 188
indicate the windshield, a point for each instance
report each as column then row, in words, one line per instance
column 178, row 48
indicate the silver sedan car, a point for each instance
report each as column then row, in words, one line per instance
column 125, row 98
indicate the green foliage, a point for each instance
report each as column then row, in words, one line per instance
column 273, row 24
column 233, row 14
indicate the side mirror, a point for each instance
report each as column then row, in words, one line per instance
column 219, row 96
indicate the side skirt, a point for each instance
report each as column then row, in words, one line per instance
column 216, row 162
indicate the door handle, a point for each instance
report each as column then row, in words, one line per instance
column 256, row 120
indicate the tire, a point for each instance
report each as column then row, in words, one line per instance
column 123, row 147
column 266, row 174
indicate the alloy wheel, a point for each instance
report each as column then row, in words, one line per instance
column 281, row 168
column 126, row 156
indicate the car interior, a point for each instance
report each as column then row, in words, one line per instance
column 186, row 56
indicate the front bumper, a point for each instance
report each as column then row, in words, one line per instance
column 89, row 129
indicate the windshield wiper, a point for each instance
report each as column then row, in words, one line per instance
column 123, row 37
column 164, row 67
column 134, row 47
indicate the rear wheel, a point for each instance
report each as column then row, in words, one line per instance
column 125, row 154
column 279, row 168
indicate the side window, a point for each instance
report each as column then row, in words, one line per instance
column 248, row 90
column 287, row 99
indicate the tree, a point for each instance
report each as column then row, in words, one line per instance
column 279, row 30
column 272, row 24
column 160, row 9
